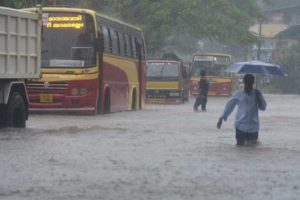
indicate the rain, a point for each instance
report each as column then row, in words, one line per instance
column 165, row 150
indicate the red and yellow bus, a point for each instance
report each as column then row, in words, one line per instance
column 214, row 64
column 90, row 64
column 167, row 82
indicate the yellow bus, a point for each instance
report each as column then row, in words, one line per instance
column 214, row 64
column 167, row 82
column 90, row 64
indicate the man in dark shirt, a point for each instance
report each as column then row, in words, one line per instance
column 203, row 91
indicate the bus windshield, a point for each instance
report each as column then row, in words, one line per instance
column 68, row 40
column 213, row 65
column 162, row 71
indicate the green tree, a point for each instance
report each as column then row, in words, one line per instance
column 290, row 62
column 165, row 22
column 21, row 3
column 226, row 21
column 92, row 4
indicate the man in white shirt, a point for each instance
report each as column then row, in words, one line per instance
column 249, row 101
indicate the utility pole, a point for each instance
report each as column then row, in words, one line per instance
column 258, row 51
column 259, row 40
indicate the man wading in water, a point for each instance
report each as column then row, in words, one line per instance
column 203, row 91
column 247, row 121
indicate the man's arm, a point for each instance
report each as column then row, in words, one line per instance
column 229, row 107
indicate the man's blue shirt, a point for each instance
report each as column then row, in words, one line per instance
column 246, row 118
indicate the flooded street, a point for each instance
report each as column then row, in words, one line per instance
column 162, row 152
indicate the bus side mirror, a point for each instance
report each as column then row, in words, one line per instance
column 99, row 43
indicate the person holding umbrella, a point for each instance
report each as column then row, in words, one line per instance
column 249, row 101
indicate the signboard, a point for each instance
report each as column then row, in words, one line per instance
column 63, row 21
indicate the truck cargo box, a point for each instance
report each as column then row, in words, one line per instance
column 20, row 41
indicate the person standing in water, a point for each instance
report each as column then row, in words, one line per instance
column 203, row 92
column 249, row 101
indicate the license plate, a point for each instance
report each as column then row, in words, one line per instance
column 156, row 101
column 46, row 98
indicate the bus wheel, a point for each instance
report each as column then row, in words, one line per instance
column 2, row 116
column 98, row 105
column 134, row 104
column 16, row 111
column 107, row 103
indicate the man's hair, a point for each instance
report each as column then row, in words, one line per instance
column 203, row 73
column 249, row 79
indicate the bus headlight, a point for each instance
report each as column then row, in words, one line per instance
column 83, row 91
column 75, row 91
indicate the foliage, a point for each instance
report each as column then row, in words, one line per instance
column 21, row 3
column 226, row 21
column 165, row 22
column 290, row 62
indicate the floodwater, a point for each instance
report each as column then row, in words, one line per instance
column 162, row 152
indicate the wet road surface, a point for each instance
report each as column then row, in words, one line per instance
column 162, row 152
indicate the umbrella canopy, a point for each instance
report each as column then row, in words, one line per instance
column 255, row 67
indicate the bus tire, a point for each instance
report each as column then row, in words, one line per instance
column 16, row 111
column 134, row 102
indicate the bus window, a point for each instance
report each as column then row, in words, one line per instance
column 213, row 65
column 124, row 44
column 143, row 50
column 133, row 43
column 116, row 43
column 131, row 47
column 201, row 65
column 107, row 40
column 220, row 63
column 74, row 43
column 128, row 46
column 138, row 47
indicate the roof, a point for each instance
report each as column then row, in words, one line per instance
column 292, row 32
column 268, row 30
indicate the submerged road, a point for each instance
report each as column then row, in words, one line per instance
column 164, row 152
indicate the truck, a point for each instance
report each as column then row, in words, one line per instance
column 20, row 57
column 167, row 81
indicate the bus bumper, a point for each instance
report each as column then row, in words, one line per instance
column 62, row 103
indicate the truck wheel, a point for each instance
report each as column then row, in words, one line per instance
column 2, row 116
column 16, row 111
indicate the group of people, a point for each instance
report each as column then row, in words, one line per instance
column 249, row 101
